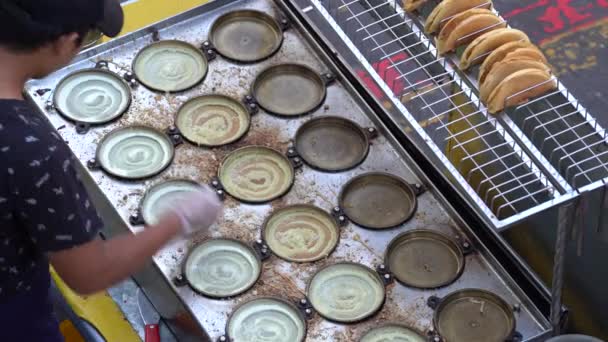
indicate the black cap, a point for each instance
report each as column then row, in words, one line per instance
column 112, row 20
column 105, row 15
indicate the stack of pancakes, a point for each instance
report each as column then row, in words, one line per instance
column 513, row 70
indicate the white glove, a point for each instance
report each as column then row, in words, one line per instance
column 197, row 210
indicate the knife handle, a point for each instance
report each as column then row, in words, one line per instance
column 152, row 333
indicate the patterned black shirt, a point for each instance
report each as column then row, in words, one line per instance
column 44, row 206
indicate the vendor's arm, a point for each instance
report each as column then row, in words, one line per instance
column 61, row 221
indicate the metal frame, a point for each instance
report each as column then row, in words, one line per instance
column 346, row 97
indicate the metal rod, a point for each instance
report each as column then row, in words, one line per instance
column 480, row 30
column 347, row 4
column 441, row 100
column 437, row 86
column 421, row 67
column 464, row 117
column 505, row 193
column 483, row 151
column 540, row 98
column 472, row 139
column 486, row 54
column 413, row 70
column 565, row 220
column 567, row 130
column 552, row 79
column 546, row 123
column 386, row 29
column 570, row 154
column 466, row 130
column 400, row 50
column 367, row 11
column 452, row 16
column 425, row 80
column 378, row 22
column 392, row 41
column 528, row 195
column 602, row 164
column 479, row 167
column 546, row 130
column 489, row 179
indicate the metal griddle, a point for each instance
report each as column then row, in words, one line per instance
column 182, row 308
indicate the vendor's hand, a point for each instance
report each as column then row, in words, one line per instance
column 197, row 210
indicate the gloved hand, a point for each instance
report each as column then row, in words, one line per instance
column 197, row 210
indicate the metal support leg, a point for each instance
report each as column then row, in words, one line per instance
column 566, row 220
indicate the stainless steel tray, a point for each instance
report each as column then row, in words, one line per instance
column 243, row 221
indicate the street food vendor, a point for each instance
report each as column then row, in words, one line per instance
column 46, row 215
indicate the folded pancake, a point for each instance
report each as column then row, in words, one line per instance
column 499, row 54
column 504, row 69
column 518, row 88
column 412, row 5
column 449, row 8
column 486, row 43
column 531, row 53
column 465, row 27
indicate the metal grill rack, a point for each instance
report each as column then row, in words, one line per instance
column 559, row 131
column 507, row 183
column 566, row 135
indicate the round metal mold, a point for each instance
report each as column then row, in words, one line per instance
column 134, row 152
column 161, row 196
column 346, row 292
column 246, row 36
column 92, row 96
column 256, row 174
column 212, row 120
column 91, row 38
column 474, row 315
column 170, row 66
column 378, row 200
column 331, row 143
column 268, row 319
column 393, row 332
column 222, row 268
column 301, row 233
column 424, row 259
column 289, row 90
